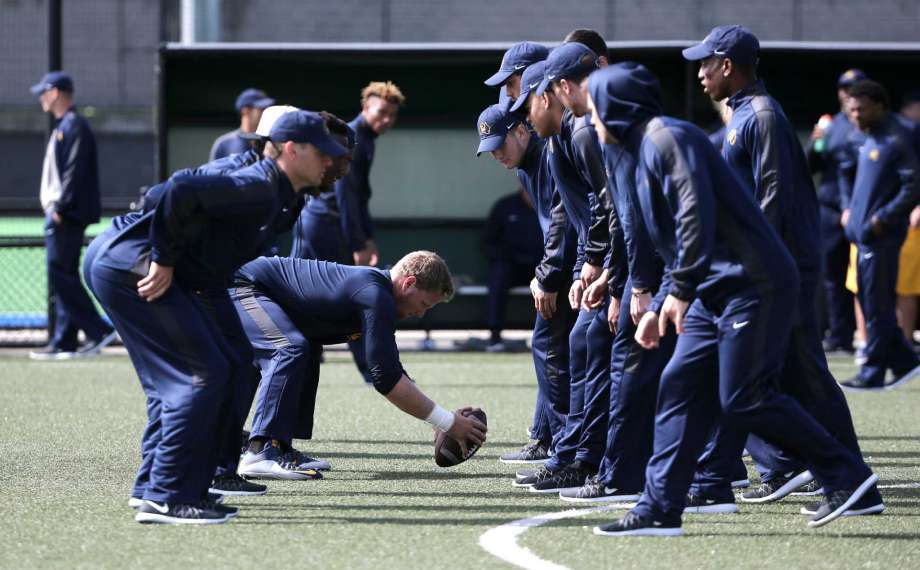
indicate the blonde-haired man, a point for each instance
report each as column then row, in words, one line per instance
column 291, row 307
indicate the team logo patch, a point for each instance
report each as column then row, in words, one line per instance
column 732, row 136
column 850, row 74
column 873, row 154
column 485, row 129
column 59, row 135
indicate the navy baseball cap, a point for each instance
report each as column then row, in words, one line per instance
column 305, row 127
column 253, row 98
column 51, row 80
column 566, row 61
column 518, row 57
column 531, row 79
column 851, row 76
column 736, row 43
column 494, row 125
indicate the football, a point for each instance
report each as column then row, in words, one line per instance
column 447, row 451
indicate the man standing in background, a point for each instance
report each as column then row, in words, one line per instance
column 70, row 199
column 249, row 104
column 380, row 103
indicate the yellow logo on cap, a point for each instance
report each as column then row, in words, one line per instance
column 485, row 129
column 873, row 154
column 850, row 74
column 732, row 137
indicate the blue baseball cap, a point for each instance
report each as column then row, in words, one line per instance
column 566, row 61
column 516, row 59
column 494, row 125
column 51, row 80
column 735, row 42
column 305, row 127
column 253, row 98
column 531, row 79
column 851, row 76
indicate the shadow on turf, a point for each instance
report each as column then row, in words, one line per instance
column 428, row 442
column 418, row 494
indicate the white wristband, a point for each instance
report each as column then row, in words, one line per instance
column 441, row 419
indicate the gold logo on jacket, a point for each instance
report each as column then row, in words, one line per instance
column 732, row 136
column 873, row 155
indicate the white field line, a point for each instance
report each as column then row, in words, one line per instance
column 901, row 486
column 501, row 541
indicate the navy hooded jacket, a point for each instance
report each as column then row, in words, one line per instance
column 711, row 234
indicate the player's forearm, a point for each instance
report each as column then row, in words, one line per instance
column 406, row 396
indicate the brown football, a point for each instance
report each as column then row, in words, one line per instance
column 447, row 450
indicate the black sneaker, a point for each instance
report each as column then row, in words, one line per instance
column 857, row 384
column 569, row 477
column 536, row 452
column 698, row 504
column 809, row 490
column 94, row 347
column 777, row 488
column 593, row 491
column 52, row 353
column 902, row 378
column 135, row 502
column 236, row 485
column 864, row 506
column 637, row 525
column 230, row 512
column 836, row 503
column 538, row 476
column 164, row 513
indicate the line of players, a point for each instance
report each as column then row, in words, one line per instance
column 689, row 330
column 210, row 326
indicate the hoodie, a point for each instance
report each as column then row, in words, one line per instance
column 713, row 238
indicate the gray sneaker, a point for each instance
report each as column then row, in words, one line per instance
column 777, row 488
column 304, row 461
column 536, row 452
column 538, row 476
column 593, row 491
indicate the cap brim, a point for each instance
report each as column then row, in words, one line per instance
column 38, row 88
column 697, row 52
column 263, row 103
column 253, row 137
column 498, row 78
column 330, row 147
column 489, row 144
column 543, row 86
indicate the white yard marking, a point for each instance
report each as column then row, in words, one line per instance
column 501, row 541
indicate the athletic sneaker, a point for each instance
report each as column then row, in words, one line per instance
column 698, row 504
column 838, row 502
column 539, row 475
column 135, row 503
column 637, row 525
column 536, row 452
column 777, row 488
column 272, row 463
column 864, row 506
column 164, row 513
column 593, row 491
column 304, row 461
column 524, row 473
column 94, row 347
column 236, row 486
column 52, row 353
column 809, row 490
column 231, row 512
column 571, row 476
column 857, row 384
column 903, row 378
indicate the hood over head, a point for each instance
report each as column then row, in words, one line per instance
column 625, row 94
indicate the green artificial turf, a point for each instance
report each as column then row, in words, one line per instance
column 69, row 437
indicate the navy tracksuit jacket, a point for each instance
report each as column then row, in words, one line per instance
column 886, row 188
column 186, row 344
